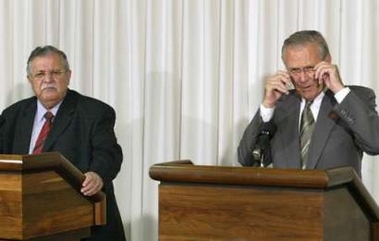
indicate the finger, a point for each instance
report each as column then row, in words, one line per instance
column 88, row 178
column 86, row 181
column 283, row 73
column 281, row 81
column 282, row 85
column 322, row 70
column 91, row 184
column 279, row 87
column 87, row 190
column 284, row 76
column 90, row 189
column 287, row 80
column 87, row 184
column 323, row 77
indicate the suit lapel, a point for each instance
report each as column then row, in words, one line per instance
column 61, row 121
column 293, row 159
column 287, row 144
column 24, row 130
column 324, row 126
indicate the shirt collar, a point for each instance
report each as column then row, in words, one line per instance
column 316, row 101
column 41, row 110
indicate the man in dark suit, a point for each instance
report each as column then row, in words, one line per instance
column 345, row 121
column 82, row 131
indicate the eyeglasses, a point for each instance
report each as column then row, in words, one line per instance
column 54, row 73
column 296, row 72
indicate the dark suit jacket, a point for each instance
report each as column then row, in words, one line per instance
column 82, row 132
column 342, row 132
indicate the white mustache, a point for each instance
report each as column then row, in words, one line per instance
column 43, row 87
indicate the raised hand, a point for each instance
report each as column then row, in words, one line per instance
column 328, row 74
column 276, row 85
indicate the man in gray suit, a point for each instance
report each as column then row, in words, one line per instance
column 346, row 123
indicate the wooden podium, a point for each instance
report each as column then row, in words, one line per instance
column 40, row 199
column 245, row 203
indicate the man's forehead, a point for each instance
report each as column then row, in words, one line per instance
column 302, row 54
column 303, row 46
column 46, row 60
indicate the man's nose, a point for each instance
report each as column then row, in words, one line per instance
column 49, row 77
column 303, row 76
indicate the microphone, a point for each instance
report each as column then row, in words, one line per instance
column 263, row 141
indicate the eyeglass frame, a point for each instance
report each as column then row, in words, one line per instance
column 308, row 70
column 53, row 73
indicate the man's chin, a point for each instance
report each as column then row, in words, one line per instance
column 50, row 97
column 309, row 94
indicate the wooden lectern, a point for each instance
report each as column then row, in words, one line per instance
column 246, row 203
column 40, row 199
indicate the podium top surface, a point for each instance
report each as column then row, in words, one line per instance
column 9, row 162
column 43, row 162
column 183, row 171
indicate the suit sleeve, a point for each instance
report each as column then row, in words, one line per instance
column 358, row 112
column 249, row 138
column 107, row 153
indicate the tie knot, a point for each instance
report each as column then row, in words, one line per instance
column 48, row 116
column 308, row 104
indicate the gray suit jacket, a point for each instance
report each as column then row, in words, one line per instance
column 342, row 132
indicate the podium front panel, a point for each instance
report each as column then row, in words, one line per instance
column 207, row 212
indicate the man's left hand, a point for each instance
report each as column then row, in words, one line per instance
column 92, row 184
column 328, row 74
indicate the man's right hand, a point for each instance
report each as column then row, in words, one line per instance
column 276, row 86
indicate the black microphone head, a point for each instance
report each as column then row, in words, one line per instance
column 268, row 129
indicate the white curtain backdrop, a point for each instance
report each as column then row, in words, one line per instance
column 185, row 76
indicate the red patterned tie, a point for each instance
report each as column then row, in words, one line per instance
column 43, row 133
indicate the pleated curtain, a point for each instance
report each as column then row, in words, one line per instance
column 185, row 76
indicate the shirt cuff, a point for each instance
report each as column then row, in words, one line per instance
column 266, row 113
column 341, row 94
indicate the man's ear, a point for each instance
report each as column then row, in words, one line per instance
column 69, row 77
column 328, row 58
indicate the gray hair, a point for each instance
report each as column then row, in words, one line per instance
column 44, row 51
column 305, row 37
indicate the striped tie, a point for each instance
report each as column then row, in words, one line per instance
column 43, row 133
column 306, row 130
